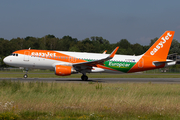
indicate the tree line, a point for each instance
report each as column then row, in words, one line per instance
column 67, row 43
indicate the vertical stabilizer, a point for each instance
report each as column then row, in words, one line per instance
column 160, row 48
column 157, row 53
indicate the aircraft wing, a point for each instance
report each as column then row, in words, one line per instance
column 101, row 61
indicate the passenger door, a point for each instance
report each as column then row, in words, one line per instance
column 26, row 55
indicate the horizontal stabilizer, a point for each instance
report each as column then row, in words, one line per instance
column 157, row 63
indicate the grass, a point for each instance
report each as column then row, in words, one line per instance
column 92, row 101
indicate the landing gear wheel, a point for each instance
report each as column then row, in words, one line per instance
column 25, row 75
column 84, row 77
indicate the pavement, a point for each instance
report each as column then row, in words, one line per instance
column 100, row 80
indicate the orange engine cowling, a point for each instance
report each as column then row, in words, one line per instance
column 63, row 70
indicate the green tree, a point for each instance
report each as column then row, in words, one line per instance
column 5, row 47
column 138, row 49
column 175, row 47
column 31, row 42
column 42, row 43
column 2, row 64
column 74, row 49
column 66, row 42
column 153, row 41
column 100, row 44
column 124, row 44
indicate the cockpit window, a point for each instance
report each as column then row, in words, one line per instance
column 13, row 54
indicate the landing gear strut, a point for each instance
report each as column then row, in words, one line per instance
column 84, row 77
column 25, row 75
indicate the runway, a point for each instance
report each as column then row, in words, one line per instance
column 100, row 80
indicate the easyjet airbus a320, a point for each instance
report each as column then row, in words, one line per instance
column 66, row 63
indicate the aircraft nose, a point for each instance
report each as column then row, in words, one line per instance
column 6, row 60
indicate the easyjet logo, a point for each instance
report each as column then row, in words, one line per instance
column 161, row 43
column 43, row 54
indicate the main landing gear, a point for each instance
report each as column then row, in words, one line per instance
column 84, row 77
column 25, row 75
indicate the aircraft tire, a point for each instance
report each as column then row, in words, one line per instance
column 25, row 76
column 84, row 77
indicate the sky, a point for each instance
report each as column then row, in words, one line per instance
column 138, row 21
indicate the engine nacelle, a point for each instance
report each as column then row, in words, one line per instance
column 63, row 70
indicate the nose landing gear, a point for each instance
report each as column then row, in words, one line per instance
column 25, row 75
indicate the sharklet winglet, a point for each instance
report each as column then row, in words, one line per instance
column 114, row 52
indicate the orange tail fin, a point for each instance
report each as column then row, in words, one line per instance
column 157, row 52
column 160, row 48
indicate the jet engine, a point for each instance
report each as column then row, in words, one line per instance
column 63, row 70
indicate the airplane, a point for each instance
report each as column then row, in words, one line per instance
column 66, row 63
